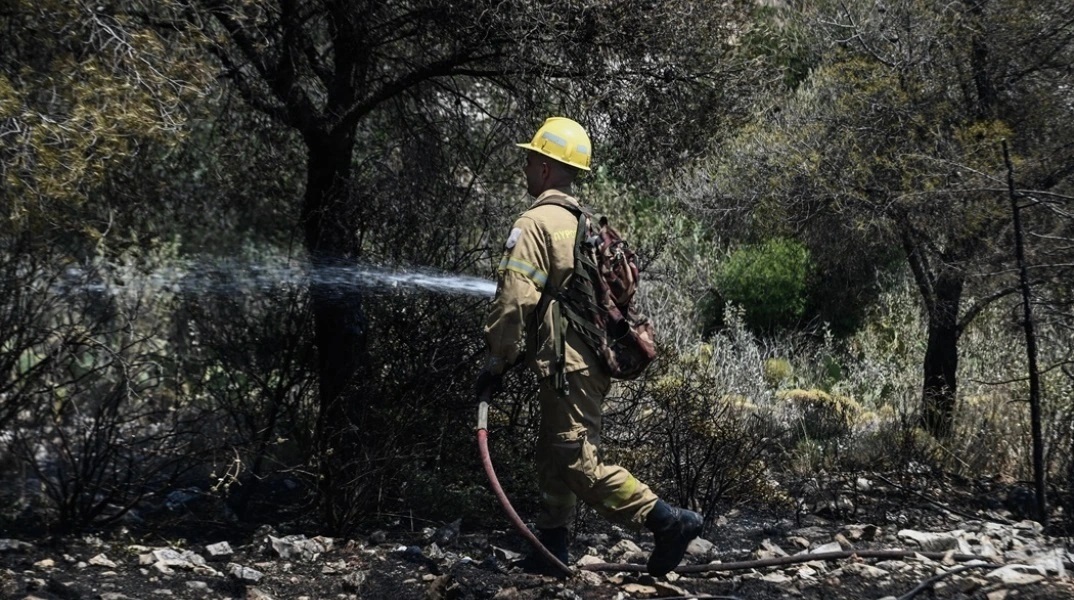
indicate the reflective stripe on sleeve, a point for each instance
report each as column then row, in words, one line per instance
column 621, row 495
column 537, row 276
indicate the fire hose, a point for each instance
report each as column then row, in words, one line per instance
column 486, row 460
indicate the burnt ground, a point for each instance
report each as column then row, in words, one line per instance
column 459, row 561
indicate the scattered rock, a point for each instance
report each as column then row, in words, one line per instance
column 637, row 589
column 770, row 550
column 1018, row 574
column 932, row 542
column 334, row 568
column 699, row 548
column 298, row 547
column 589, row 559
column 244, row 574
column 219, row 550
column 626, row 551
column 829, row 547
column 101, row 560
column 352, row 582
column 253, row 593
column 775, row 577
column 864, row 570
column 9, row 545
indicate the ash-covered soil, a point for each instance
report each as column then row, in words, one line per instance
column 457, row 561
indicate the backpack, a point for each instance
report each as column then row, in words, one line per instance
column 598, row 299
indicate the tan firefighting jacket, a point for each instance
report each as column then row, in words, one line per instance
column 539, row 253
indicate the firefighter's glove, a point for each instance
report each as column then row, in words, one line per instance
column 488, row 384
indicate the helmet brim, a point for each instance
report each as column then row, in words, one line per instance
column 529, row 146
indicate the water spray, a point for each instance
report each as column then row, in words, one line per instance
column 201, row 276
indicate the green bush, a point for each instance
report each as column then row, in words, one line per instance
column 821, row 416
column 777, row 371
column 768, row 281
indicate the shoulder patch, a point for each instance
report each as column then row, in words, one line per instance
column 513, row 238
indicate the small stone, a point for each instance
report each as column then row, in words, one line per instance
column 352, row 582
column 769, row 550
column 933, row 542
column 332, row 568
column 46, row 563
column 829, row 547
column 699, row 547
column 219, row 550
column 161, row 567
column 775, row 577
column 1018, row 574
column 800, row 542
column 198, row 586
column 592, row 579
column 101, row 560
column 244, row 574
column 254, row 593
column 864, row 570
column 589, row 559
column 10, row 545
column 626, row 550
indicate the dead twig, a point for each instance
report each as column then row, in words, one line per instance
column 941, row 505
column 931, row 581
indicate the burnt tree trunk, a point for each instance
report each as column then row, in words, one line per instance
column 941, row 357
column 340, row 328
column 1039, row 468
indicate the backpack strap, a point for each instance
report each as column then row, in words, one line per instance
column 573, row 300
column 561, row 312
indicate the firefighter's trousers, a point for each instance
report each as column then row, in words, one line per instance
column 568, row 463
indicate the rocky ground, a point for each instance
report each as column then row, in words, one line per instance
column 1018, row 560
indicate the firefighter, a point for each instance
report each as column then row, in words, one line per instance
column 539, row 255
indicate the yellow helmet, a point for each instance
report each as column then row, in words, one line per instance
column 564, row 140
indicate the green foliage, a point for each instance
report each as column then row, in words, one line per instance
column 777, row 371
column 780, row 41
column 81, row 91
column 819, row 415
column 768, row 281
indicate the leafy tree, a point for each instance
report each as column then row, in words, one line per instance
column 82, row 89
column 893, row 141
column 391, row 81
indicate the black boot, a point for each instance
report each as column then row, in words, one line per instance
column 555, row 540
column 672, row 528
